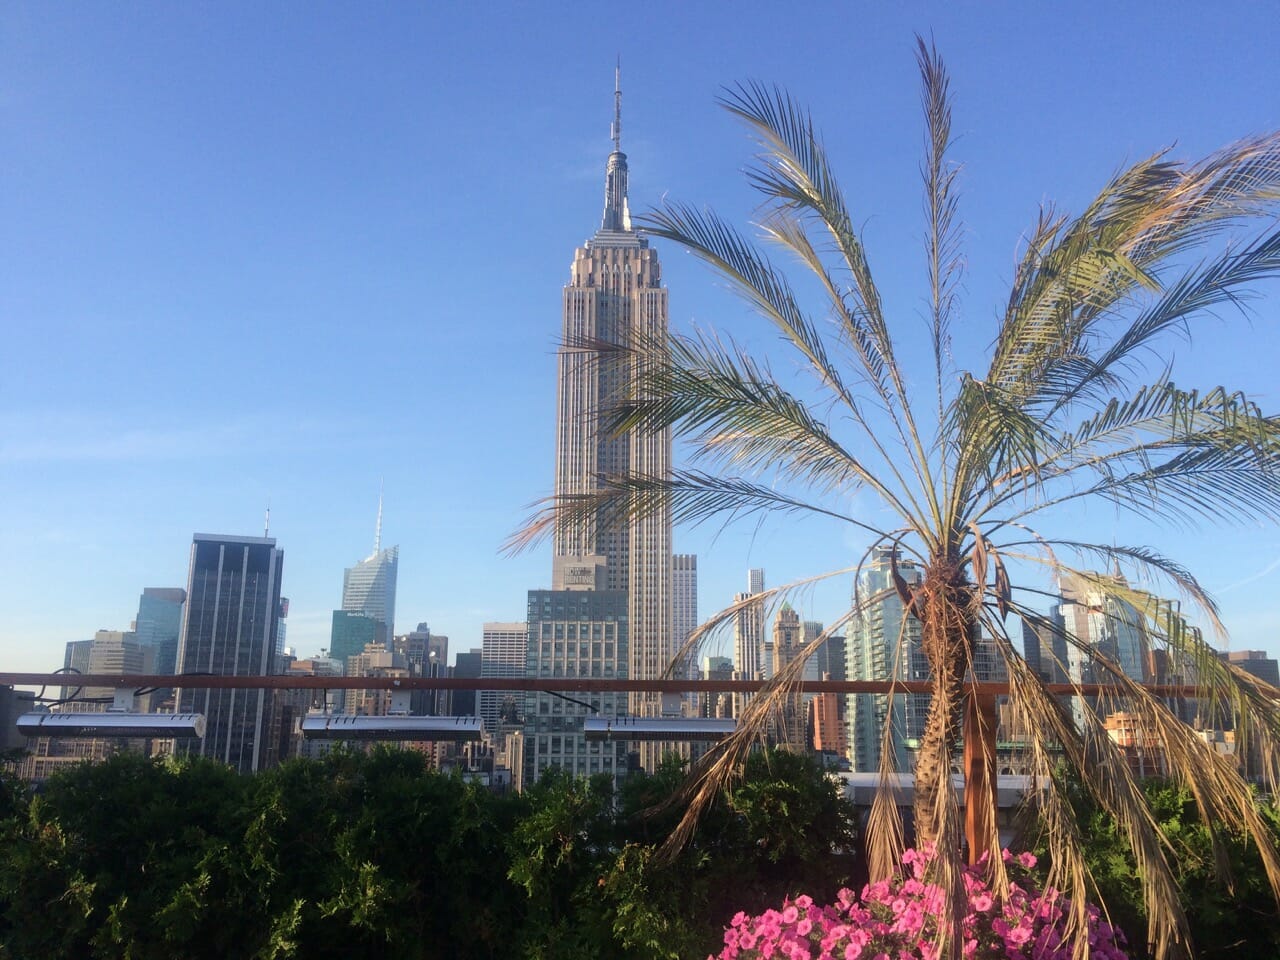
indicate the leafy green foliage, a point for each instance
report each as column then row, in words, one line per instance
column 1227, row 920
column 373, row 855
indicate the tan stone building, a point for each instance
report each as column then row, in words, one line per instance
column 788, row 726
column 614, row 298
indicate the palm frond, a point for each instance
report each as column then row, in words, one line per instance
column 692, row 497
column 758, row 282
column 709, row 627
column 1213, row 456
column 795, row 176
column 738, row 416
column 720, row 766
column 1223, row 281
column 942, row 243
column 1085, row 270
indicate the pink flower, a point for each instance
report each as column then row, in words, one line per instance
column 900, row 917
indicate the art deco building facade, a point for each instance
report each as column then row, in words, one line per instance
column 614, row 297
column 787, row 727
column 230, row 625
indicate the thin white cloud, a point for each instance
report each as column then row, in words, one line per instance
column 83, row 438
column 1269, row 568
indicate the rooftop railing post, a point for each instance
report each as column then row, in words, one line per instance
column 980, row 773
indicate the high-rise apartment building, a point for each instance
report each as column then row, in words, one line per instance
column 748, row 630
column 748, row 637
column 1107, row 625
column 229, row 628
column 116, row 651
column 503, row 655
column 75, row 659
column 883, row 643
column 788, row 726
column 350, row 632
column 826, row 719
column 1102, row 625
column 684, row 604
column 1044, row 646
column 110, row 651
column 369, row 587
column 614, row 296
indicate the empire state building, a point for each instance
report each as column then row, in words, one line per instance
column 614, row 296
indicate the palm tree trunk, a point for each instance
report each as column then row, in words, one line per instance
column 948, row 624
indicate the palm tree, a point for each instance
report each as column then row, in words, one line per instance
column 1070, row 408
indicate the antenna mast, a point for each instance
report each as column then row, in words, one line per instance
column 615, row 131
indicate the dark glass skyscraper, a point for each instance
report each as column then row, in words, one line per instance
column 232, row 615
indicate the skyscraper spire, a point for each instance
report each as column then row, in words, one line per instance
column 615, row 132
column 377, row 531
column 616, row 215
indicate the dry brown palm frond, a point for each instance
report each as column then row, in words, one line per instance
column 722, row 618
column 1068, row 870
column 1222, row 797
column 719, row 768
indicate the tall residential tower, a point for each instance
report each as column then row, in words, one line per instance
column 883, row 643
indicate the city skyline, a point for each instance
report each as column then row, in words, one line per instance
column 195, row 212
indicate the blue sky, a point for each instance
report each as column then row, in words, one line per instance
column 282, row 253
